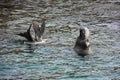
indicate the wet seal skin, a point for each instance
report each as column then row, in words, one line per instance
column 38, row 31
column 82, row 45
column 27, row 35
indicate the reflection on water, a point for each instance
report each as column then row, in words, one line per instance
column 55, row 58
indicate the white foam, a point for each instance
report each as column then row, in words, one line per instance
column 37, row 42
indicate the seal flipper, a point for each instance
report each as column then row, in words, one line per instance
column 27, row 35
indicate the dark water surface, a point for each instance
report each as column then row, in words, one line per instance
column 55, row 59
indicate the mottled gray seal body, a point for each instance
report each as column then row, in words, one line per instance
column 82, row 45
column 38, row 30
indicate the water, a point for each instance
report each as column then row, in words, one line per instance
column 55, row 58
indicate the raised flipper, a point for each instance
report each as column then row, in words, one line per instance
column 27, row 35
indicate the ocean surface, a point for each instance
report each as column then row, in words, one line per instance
column 54, row 59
